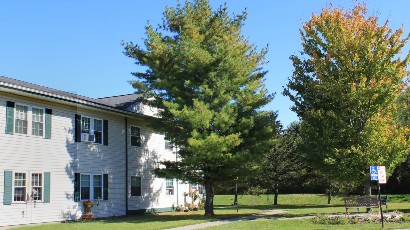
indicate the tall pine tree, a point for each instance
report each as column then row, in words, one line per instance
column 207, row 82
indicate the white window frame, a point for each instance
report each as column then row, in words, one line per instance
column 42, row 120
column 131, row 135
column 139, row 187
column 92, row 128
column 168, row 144
column 170, row 191
column 92, row 186
column 28, row 196
column 36, row 186
column 29, row 119
column 14, row 187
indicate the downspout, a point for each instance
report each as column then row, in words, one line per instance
column 126, row 166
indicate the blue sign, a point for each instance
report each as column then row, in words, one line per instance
column 374, row 173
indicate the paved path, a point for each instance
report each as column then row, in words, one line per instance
column 228, row 221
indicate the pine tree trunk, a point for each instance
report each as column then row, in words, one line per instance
column 209, row 199
column 275, row 199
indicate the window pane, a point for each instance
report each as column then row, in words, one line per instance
column 97, row 183
column 20, row 122
column 135, row 186
column 85, row 187
column 97, row 180
column 135, row 136
column 19, row 194
column 85, row 124
column 169, row 186
column 37, row 121
column 97, row 125
column 98, row 130
column 170, row 183
column 36, row 186
column 19, row 186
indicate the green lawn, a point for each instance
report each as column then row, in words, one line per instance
column 295, row 205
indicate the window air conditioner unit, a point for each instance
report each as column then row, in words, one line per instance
column 88, row 138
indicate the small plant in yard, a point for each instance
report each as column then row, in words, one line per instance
column 395, row 217
column 327, row 220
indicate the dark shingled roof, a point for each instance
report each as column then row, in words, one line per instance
column 44, row 89
column 121, row 102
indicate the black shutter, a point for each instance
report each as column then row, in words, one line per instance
column 105, row 185
column 105, row 132
column 77, row 187
column 9, row 117
column 77, row 131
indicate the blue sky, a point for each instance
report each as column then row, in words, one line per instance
column 75, row 45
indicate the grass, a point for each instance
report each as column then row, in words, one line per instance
column 296, row 205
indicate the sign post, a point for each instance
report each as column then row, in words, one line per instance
column 379, row 173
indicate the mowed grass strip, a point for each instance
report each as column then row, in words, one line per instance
column 296, row 205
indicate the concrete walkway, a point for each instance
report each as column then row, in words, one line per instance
column 228, row 221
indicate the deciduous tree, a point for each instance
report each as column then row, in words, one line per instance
column 344, row 88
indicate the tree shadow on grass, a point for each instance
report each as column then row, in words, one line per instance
column 168, row 217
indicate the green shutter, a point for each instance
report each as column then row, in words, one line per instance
column 48, row 124
column 105, row 185
column 8, row 186
column 77, row 187
column 46, row 198
column 9, row 117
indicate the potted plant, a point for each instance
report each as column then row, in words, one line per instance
column 88, row 214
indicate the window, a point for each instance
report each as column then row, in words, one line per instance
column 28, row 120
column 168, row 144
column 98, row 128
column 25, row 186
column 91, row 187
column 85, row 125
column 37, row 121
column 36, row 186
column 93, row 127
column 135, row 136
column 169, row 186
column 22, row 191
column 195, row 187
column 135, row 186
column 21, row 119
column 20, row 185
column 85, row 187
column 98, row 186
